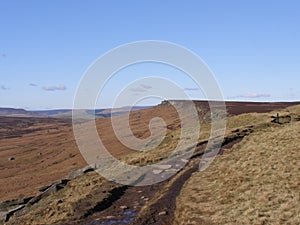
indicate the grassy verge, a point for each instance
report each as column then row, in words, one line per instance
column 256, row 182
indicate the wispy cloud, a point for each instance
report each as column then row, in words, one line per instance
column 2, row 57
column 141, row 88
column 33, row 85
column 3, row 88
column 55, row 88
column 138, row 89
column 252, row 95
column 191, row 89
column 146, row 86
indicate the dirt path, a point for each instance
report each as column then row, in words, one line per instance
column 162, row 211
column 127, row 205
column 122, row 207
column 126, row 202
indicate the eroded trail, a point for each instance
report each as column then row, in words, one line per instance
column 153, row 204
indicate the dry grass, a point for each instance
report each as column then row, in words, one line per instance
column 61, row 205
column 256, row 182
column 293, row 109
column 171, row 140
column 249, row 119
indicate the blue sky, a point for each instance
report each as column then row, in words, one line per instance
column 252, row 47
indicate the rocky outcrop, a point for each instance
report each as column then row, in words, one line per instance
column 49, row 189
column 80, row 172
column 19, row 207
column 8, row 208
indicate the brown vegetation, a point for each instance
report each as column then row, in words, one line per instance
column 44, row 150
column 255, row 182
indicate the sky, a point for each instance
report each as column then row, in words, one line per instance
column 46, row 47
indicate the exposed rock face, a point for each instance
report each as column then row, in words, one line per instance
column 80, row 172
column 18, row 207
column 62, row 182
column 157, row 171
column 163, row 167
column 5, row 206
column 74, row 174
column 49, row 189
column 8, row 208
column 12, row 211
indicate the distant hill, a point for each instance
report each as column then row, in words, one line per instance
column 233, row 108
column 67, row 113
column 15, row 112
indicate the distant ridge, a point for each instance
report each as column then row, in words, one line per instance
column 233, row 108
column 66, row 113
column 239, row 107
column 14, row 112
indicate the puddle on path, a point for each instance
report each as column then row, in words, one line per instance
column 126, row 218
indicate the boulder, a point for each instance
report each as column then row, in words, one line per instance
column 163, row 167
column 110, row 217
column 50, row 189
column 5, row 206
column 88, row 169
column 172, row 170
column 80, row 172
column 162, row 213
column 184, row 160
column 45, row 187
column 157, row 171
column 61, row 183
column 12, row 211
column 75, row 173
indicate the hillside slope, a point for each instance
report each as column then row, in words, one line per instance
column 255, row 182
column 92, row 199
